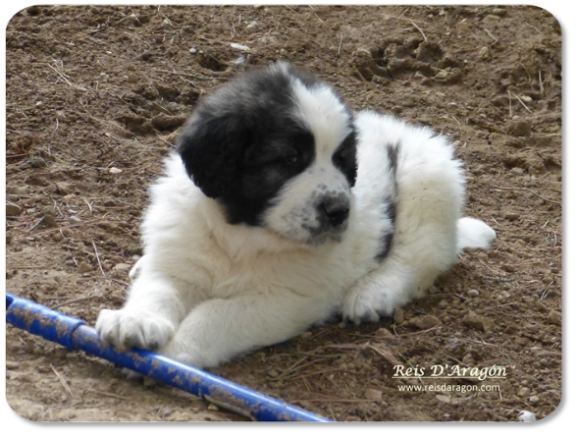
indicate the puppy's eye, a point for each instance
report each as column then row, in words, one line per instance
column 291, row 159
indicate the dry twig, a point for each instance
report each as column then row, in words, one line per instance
column 62, row 381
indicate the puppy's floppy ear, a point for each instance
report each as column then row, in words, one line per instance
column 211, row 148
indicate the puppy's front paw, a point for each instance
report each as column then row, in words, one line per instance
column 359, row 306
column 124, row 329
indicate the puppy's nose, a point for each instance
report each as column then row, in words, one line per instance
column 335, row 209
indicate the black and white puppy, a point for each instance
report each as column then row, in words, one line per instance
column 282, row 207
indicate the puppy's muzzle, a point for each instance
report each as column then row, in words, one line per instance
column 333, row 210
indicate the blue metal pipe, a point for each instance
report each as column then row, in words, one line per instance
column 75, row 334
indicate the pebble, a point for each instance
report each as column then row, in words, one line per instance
column 476, row 321
column 121, row 266
column 484, row 51
column 383, row 333
column 373, row 395
column 273, row 373
column 512, row 216
column 473, row 293
column 398, row 316
column 524, row 392
column 74, row 219
column 84, row 267
column 426, row 322
column 534, row 399
column 193, row 50
column 12, row 209
column 519, row 128
column 114, row 170
column 555, row 317
column 526, row 416
column 517, row 171
column 527, row 99
column 241, row 47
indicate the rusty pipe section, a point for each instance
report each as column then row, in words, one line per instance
column 74, row 334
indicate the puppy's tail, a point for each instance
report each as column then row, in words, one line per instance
column 474, row 233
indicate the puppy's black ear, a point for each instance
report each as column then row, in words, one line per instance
column 211, row 148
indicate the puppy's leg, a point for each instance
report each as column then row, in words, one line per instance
column 217, row 330
column 423, row 246
column 149, row 318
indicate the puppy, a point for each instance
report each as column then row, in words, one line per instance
column 280, row 208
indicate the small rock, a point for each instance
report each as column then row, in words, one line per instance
column 114, row 170
column 555, row 317
column 516, row 143
column 512, row 216
column 468, row 359
column 383, row 333
column 84, row 267
column 74, row 219
column 517, row 171
column 484, row 52
column 426, row 322
column 519, row 128
column 534, row 400
column 273, row 374
column 477, row 322
column 524, row 392
column 499, row 12
column 63, row 189
column 49, row 220
column 12, row 209
column 193, row 50
column 57, row 236
column 473, row 293
column 526, row 416
column 443, row 304
column 373, row 395
column 164, row 122
column 527, row 99
column 121, row 266
column 398, row 316
column 241, row 47
column 213, row 407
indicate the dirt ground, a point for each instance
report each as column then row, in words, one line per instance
column 95, row 98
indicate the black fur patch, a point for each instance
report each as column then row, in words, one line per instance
column 242, row 144
column 387, row 238
column 390, row 203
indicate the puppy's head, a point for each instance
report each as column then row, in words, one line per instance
column 277, row 148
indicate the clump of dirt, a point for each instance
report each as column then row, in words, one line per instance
column 95, row 99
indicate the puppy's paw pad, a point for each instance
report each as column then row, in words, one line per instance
column 125, row 329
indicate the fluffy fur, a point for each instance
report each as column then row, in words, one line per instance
column 281, row 208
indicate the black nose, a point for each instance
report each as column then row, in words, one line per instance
column 334, row 209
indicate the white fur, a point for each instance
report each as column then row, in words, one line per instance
column 205, row 291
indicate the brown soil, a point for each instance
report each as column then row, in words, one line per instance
column 95, row 97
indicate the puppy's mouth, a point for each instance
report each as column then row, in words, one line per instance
column 324, row 233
